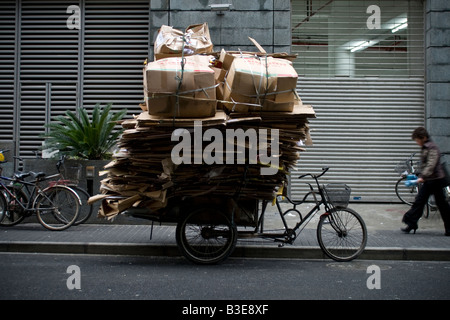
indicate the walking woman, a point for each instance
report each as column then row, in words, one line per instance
column 432, row 177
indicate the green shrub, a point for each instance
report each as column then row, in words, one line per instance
column 79, row 137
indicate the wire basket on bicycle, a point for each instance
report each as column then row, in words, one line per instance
column 404, row 168
column 408, row 166
column 337, row 194
column 71, row 173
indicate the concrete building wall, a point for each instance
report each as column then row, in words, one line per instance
column 437, row 79
column 267, row 21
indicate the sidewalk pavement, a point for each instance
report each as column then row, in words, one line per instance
column 129, row 236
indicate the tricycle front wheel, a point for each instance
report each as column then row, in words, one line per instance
column 206, row 236
column 342, row 234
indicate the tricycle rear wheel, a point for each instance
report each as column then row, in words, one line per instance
column 206, row 235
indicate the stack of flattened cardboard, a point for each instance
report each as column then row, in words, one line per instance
column 194, row 137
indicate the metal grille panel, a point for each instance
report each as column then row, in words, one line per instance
column 362, row 130
column 365, row 80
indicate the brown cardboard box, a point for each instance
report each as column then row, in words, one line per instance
column 170, row 42
column 227, row 57
column 265, row 81
column 193, row 88
column 281, row 94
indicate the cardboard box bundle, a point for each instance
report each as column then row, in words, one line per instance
column 259, row 84
column 171, row 42
column 241, row 91
column 176, row 87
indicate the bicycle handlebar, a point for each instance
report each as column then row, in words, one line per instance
column 314, row 176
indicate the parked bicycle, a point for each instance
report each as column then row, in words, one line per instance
column 407, row 193
column 56, row 206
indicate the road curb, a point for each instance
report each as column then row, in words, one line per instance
column 171, row 250
column 398, row 253
column 90, row 248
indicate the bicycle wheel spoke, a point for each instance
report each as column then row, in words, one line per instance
column 344, row 237
column 206, row 242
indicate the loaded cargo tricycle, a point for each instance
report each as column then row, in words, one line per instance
column 208, row 227
column 245, row 107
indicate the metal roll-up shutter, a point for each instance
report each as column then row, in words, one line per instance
column 7, row 59
column 361, row 66
column 48, row 69
column 362, row 130
column 58, row 67
column 116, row 44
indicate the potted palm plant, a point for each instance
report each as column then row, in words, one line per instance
column 82, row 137
column 86, row 140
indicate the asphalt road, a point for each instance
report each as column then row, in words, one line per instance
column 50, row 276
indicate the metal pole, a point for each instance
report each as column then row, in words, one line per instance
column 17, row 86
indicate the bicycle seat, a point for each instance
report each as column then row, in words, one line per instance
column 21, row 175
